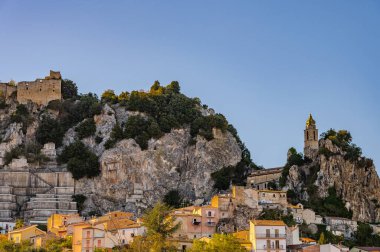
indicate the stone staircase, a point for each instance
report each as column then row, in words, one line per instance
column 40, row 207
column 8, row 205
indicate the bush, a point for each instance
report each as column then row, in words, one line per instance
column 173, row 199
column 293, row 159
column 50, row 130
column 109, row 96
column 86, row 128
column 14, row 153
column 81, row 162
column 79, row 199
column 69, row 89
column 332, row 205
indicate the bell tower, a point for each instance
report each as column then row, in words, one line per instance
column 310, row 136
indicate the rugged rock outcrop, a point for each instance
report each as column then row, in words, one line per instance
column 356, row 182
column 137, row 178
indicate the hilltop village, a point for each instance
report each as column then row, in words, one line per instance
column 79, row 174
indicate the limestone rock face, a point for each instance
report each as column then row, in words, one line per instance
column 135, row 178
column 358, row 185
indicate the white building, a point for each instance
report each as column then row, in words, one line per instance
column 267, row 235
column 341, row 226
column 6, row 226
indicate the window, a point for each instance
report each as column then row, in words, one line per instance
column 209, row 213
column 123, row 241
column 274, row 195
column 88, row 243
column 276, row 232
column 99, row 243
column 195, row 236
column 268, row 245
column 267, row 233
column 123, row 232
column 88, row 234
column 277, row 244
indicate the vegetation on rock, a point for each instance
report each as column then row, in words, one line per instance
column 86, row 128
column 81, row 161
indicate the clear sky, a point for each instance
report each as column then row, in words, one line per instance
column 264, row 64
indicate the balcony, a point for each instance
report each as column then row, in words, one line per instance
column 211, row 224
column 196, row 222
column 265, row 247
column 268, row 236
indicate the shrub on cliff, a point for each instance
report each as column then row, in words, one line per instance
column 343, row 139
column 86, row 128
column 81, row 161
column 294, row 158
column 69, row 89
column 50, row 130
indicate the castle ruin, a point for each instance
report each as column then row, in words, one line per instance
column 40, row 91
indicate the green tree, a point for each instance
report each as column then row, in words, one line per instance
column 109, row 96
column 159, row 221
column 19, row 223
column 173, row 87
column 50, row 130
column 218, row 243
column 69, row 89
column 81, row 162
column 321, row 239
column 173, row 199
column 86, row 128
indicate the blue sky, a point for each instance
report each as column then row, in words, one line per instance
column 264, row 64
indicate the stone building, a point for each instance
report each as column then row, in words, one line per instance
column 40, row 91
column 311, row 137
column 261, row 178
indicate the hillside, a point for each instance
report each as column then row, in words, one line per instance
column 336, row 180
column 124, row 151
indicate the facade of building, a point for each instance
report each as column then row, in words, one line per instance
column 61, row 224
column 267, row 235
column 260, row 179
column 341, row 226
column 272, row 199
column 40, row 91
column 293, row 235
column 6, row 226
column 25, row 233
column 196, row 222
column 225, row 205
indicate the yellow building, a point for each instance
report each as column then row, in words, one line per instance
column 58, row 224
column 25, row 233
column 225, row 204
column 243, row 238
column 77, row 235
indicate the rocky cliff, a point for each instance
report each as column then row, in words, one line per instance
column 355, row 180
column 132, row 177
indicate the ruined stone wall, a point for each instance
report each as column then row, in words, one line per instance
column 6, row 90
column 41, row 91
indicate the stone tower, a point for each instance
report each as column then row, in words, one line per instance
column 311, row 137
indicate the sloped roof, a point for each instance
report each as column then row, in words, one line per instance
column 268, row 223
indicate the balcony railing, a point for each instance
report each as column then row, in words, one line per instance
column 211, row 224
column 265, row 247
column 196, row 222
column 279, row 236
